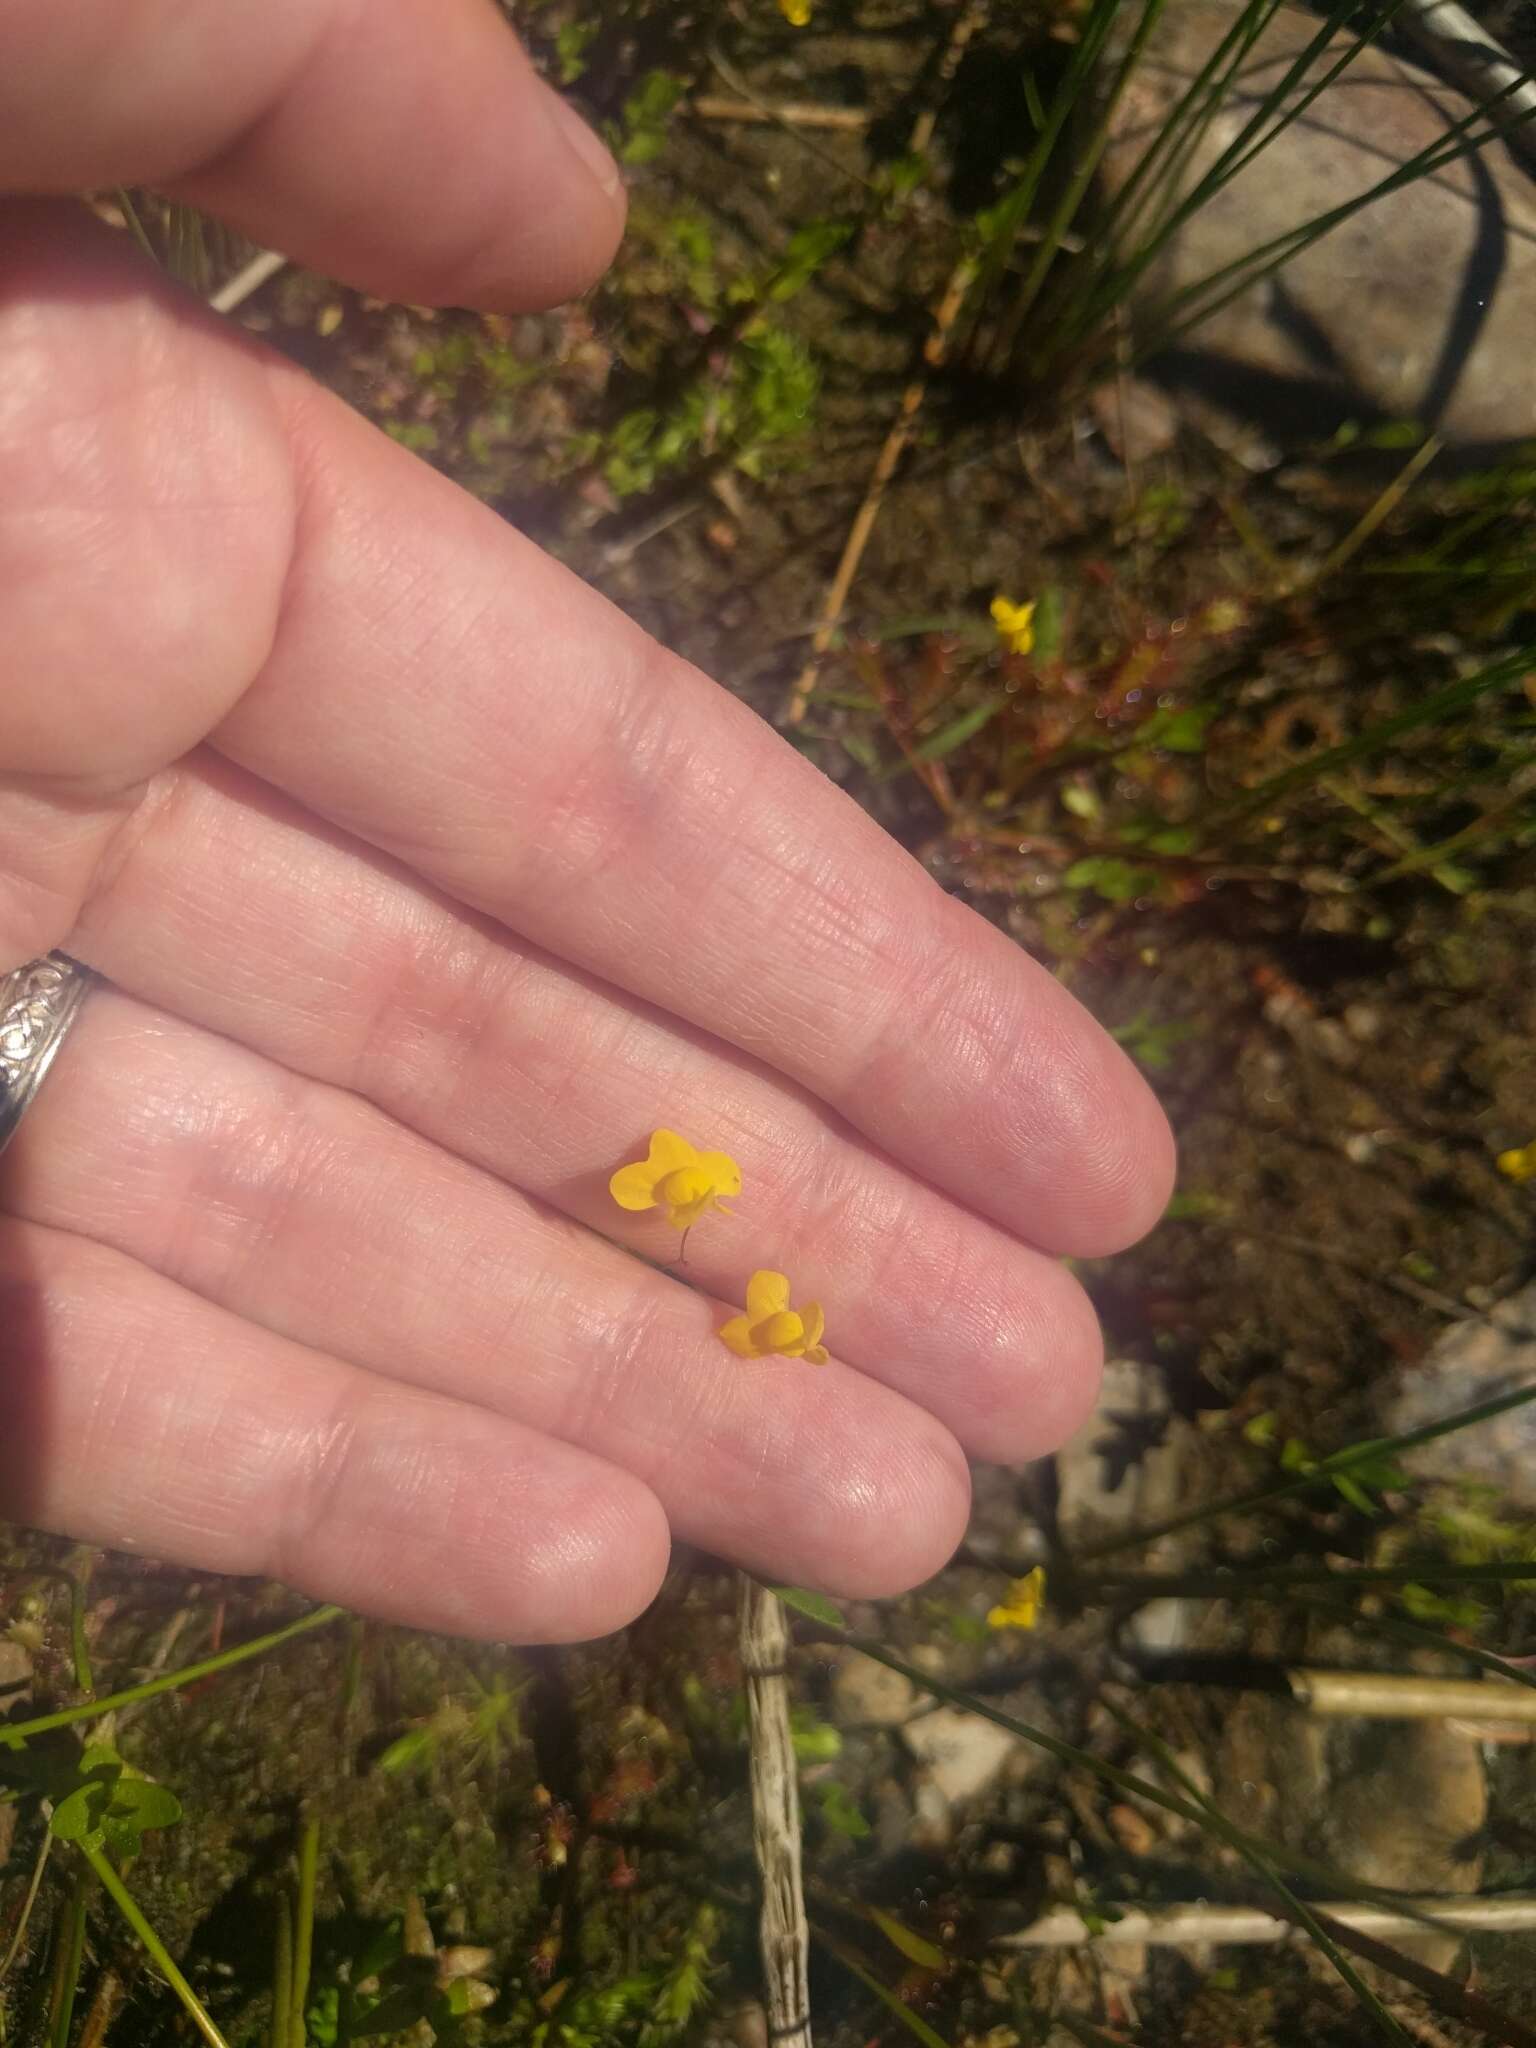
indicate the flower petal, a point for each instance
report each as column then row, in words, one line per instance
column 737, row 1333
column 668, row 1152
column 815, row 1322
column 683, row 1215
column 816, row 1354
column 634, row 1187
column 767, row 1295
column 722, row 1170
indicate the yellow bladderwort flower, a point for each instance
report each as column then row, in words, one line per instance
column 1015, row 624
column 1020, row 1606
column 796, row 12
column 1519, row 1164
column 676, row 1177
column 771, row 1328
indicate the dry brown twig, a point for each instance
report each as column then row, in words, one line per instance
column 934, row 351
column 885, row 468
column 709, row 106
column 783, row 1930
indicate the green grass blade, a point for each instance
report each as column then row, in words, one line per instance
column 1218, row 1824
column 914, row 2023
column 1244, row 271
column 1320, row 1474
column 1188, row 120
column 1250, row 140
column 304, row 1932
column 1276, row 1582
column 128, row 1906
column 1015, row 208
column 1066, row 208
column 1457, row 696
column 1311, row 1870
column 13, row 1734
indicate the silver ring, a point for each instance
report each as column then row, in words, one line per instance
column 38, row 1003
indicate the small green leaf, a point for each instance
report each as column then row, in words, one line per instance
column 139, row 1803
column 912, row 1946
column 1190, row 1204
column 1355, row 1494
column 814, row 1606
column 861, row 749
column 1050, row 614
column 814, row 1741
column 1395, row 434
column 840, row 1811
column 1178, row 732
column 78, row 1817
column 1117, row 881
column 959, row 730
column 808, row 248
column 1172, row 839
column 405, row 1750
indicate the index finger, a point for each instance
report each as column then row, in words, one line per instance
column 441, row 688
column 418, row 673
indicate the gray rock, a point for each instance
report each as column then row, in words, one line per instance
column 1408, row 1809
column 1475, row 1361
column 1422, row 305
column 962, row 1754
column 870, row 1695
column 1107, row 1475
column 1399, row 1804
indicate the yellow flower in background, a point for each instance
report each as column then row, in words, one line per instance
column 1015, row 624
column 1020, row 1606
column 1520, row 1164
column 677, row 1178
column 796, row 12
column 771, row 1328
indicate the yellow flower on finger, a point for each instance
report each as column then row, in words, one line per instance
column 1020, row 1606
column 1015, row 624
column 771, row 1328
column 678, row 1178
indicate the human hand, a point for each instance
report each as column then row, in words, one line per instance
column 426, row 885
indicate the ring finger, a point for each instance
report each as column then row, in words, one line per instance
column 309, row 1213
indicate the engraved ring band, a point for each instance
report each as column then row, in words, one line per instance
column 38, row 1003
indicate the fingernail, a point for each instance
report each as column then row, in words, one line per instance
column 580, row 139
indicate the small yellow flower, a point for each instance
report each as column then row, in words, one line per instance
column 1015, row 624
column 1021, row 1604
column 1520, row 1164
column 771, row 1327
column 678, row 1179
column 796, row 12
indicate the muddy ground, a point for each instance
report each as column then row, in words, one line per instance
column 1342, row 1066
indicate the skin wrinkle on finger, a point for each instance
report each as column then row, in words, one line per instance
column 192, row 1431
column 461, row 1033
column 533, row 1318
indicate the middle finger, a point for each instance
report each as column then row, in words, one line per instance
column 232, row 910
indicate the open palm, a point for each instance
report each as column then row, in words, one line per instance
column 426, row 886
